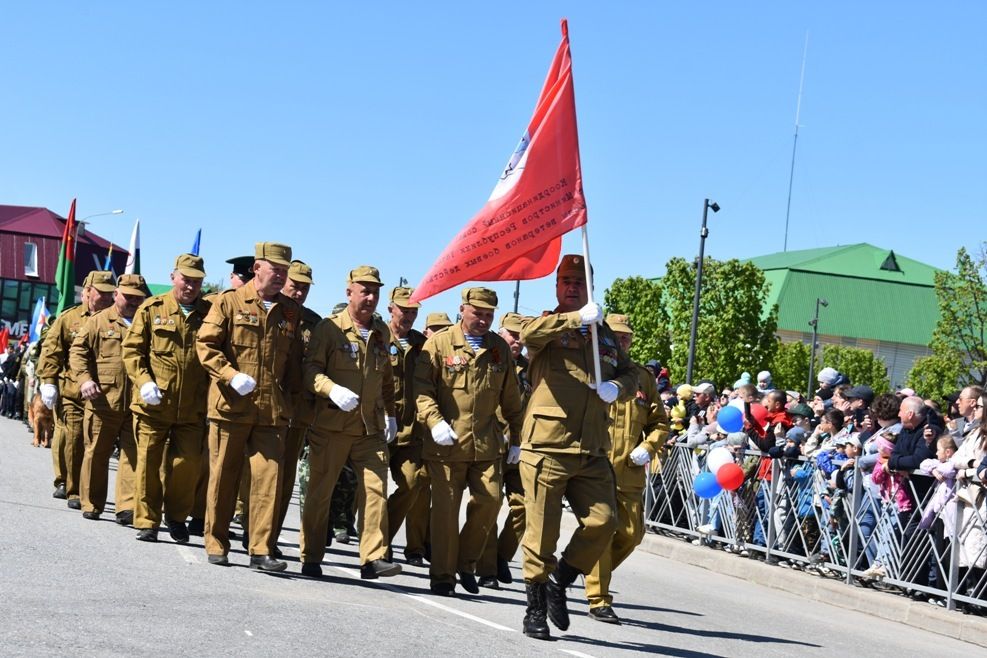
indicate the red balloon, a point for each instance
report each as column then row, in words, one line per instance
column 730, row 477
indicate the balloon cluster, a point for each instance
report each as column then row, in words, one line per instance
column 723, row 473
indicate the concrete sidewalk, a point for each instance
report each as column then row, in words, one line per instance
column 885, row 605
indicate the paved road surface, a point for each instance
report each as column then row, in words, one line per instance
column 68, row 585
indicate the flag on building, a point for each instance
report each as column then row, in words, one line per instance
column 134, row 259
column 38, row 319
column 195, row 245
column 518, row 233
column 65, row 270
column 108, row 265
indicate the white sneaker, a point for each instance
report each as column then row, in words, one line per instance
column 875, row 572
column 705, row 529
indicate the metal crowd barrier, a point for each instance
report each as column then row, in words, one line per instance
column 789, row 511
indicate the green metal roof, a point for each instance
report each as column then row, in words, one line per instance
column 865, row 301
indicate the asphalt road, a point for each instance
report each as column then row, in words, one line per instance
column 68, row 585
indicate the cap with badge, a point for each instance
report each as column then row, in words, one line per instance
column 100, row 280
column 618, row 322
column 273, row 252
column 402, row 297
column 365, row 274
column 480, row 298
column 242, row 267
column 437, row 321
column 512, row 322
column 572, row 265
column 191, row 266
column 132, row 284
column 300, row 272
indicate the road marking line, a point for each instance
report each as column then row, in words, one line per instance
column 249, row 634
column 188, row 554
column 573, row 652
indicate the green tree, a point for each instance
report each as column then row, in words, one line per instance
column 860, row 366
column 734, row 332
column 937, row 375
column 790, row 366
column 640, row 300
column 212, row 286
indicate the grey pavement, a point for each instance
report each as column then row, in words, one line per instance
column 71, row 586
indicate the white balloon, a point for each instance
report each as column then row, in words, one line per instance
column 717, row 458
column 737, row 402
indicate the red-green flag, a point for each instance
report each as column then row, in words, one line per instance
column 65, row 271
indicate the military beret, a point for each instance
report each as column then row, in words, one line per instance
column 512, row 322
column 132, row 284
column 437, row 320
column 480, row 297
column 300, row 272
column 273, row 252
column 365, row 274
column 101, row 281
column 619, row 323
column 402, row 297
column 190, row 266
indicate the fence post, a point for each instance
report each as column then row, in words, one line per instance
column 855, row 498
column 952, row 582
column 773, row 494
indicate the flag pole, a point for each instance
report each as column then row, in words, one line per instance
column 594, row 331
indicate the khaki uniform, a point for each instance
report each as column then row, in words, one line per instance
column 239, row 335
column 504, row 546
column 338, row 354
column 160, row 348
column 68, row 447
column 97, row 355
column 410, row 501
column 566, row 442
column 303, row 413
column 465, row 389
column 639, row 421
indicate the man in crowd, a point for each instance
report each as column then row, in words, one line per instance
column 409, row 504
column 463, row 376
column 60, row 391
column 96, row 359
column 249, row 345
column 170, row 401
column 436, row 322
column 565, row 445
column 347, row 367
column 638, row 429
column 966, row 404
column 493, row 567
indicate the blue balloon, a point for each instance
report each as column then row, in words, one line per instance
column 731, row 419
column 706, row 485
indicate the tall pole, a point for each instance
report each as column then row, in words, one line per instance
column 791, row 171
column 699, row 282
column 517, row 294
column 812, row 351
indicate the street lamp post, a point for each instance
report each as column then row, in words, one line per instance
column 80, row 229
column 707, row 206
column 814, row 323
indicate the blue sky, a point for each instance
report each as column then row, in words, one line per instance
column 372, row 134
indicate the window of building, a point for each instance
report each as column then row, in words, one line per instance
column 30, row 259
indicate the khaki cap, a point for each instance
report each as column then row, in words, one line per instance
column 300, row 272
column 618, row 322
column 402, row 297
column 365, row 274
column 131, row 284
column 480, row 297
column 190, row 266
column 273, row 252
column 572, row 265
column 512, row 322
column 101, row 281
column 437, row 320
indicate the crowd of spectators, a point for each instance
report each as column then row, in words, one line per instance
column 903, row 474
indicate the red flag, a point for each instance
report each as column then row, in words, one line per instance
column 539, row 197
column 4, row 339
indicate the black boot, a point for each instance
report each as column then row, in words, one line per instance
column 534, row 615
column 555, row 591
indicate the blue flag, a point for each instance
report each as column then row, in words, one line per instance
column 195, row 246
column 38, row 320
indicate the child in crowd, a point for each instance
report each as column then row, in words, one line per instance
column 891, row 483
column 942, row 469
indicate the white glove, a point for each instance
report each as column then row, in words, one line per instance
column 608, row 392
column 443, row 435
column 592, row 313
column 151, row 394
column 640, row 456
column 49, row 393
column 344, row 398
column 391, row 431
column 514, row 454
column 243, row 384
